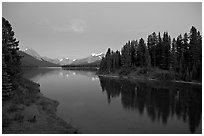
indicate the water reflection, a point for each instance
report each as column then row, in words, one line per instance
column 161, row 102
column 134, row 107
column 36, row 73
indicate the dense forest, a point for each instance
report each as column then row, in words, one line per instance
column 180, row 58
column 11, row 64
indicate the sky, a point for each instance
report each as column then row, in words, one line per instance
column 75, row 30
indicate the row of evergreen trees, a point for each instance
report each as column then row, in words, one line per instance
column 11, row 70
column 182, row 55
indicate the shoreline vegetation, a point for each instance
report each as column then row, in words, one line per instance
column 29, row 112
column 152, row 74
column 143, row 78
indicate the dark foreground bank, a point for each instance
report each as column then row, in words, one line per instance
column 151, row 76
column 29, row 112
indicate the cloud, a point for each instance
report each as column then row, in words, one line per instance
column 75, row 25
column 78, row 25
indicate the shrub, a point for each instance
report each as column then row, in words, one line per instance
column 13, row 108
column 18, row 117
column 163, row 75
column 143, row 70
column 125, row 71
column 5, row 120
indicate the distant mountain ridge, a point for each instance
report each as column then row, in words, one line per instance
column 30, row 61
column 32, row 53
column 90, row 59
column 65, row 61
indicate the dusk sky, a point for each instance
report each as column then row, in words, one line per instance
column 76, row 30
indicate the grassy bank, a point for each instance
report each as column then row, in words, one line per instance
column 147, row 74
column 29, row 112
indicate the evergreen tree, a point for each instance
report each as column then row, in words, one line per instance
column 133, row 46
column 179, row 52
column 143, row 54
column 173, row 62
column 151, row 45
column 108, row 60
column 195, row 49
column 103, row 65
column 165, row 54
column 118, row 60
column 159, row 51
column 7, row 86
column 126, row 55
column 11, row 69
column 10, row 50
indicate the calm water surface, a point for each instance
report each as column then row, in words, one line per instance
column 104, row 105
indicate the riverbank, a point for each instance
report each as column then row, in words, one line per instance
column 29, row 112
column 145, row 78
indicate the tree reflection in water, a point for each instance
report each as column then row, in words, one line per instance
column 160, row 101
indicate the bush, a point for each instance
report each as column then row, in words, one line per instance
column 18, row 117
column 5, row 120
column 13, row 108
column 125, row 71
column 163, row 75
column 143, row 70
column 26, row 92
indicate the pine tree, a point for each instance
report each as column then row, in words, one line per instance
column 195, row 49
column 118, row 60
column 132, row 52
column 165, row 54
column 108, row 60
column 151, row 45
column 10, row 50
column 143, row 54
column 179, row 52
column 126, row 55
column 173, row 62
column 6, row 82
column 159, row 51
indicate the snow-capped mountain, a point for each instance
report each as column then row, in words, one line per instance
column 55, row 61
column 30, row 61
column 100, row 55
column 90, row 59
column 65, row 61
column 32, row 53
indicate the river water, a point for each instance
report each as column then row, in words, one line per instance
column 104, row 105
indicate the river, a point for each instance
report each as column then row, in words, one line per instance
column 104, row 105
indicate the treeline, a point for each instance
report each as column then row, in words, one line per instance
column 11, row 70
column 182, row 55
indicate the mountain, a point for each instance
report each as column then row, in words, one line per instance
column 35, row 55
column 30, row 61
column 55, row 61
column 32, row 53
column 90, row 59
column 64, row 61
